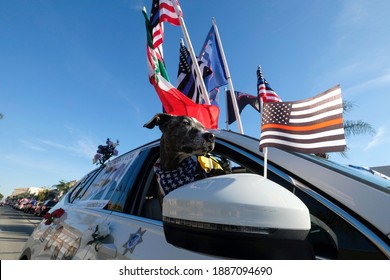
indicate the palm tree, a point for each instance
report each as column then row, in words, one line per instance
column 351, row 127
column 355, row 127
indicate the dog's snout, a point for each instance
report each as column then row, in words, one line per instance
column 209, row 136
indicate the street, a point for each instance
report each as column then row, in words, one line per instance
column 15, row 227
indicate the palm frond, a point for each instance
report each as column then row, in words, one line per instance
column 357, row 128
column 348, row 106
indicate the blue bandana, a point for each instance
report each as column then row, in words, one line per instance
column 171, row 180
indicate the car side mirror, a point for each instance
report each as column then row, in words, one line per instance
column 244, row 216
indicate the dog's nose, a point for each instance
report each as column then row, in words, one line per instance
column 209, row 136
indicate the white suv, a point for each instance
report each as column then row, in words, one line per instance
column 308, row 207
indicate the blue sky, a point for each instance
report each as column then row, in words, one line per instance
column 73, row 73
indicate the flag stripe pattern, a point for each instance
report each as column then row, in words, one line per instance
column 162, row 10
column 187, row 81
column 264, row 90
column 313, row 125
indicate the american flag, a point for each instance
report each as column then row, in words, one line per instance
column 187, row 81
column 173, row 179
column 163, row 10
column 264, row 90
column 314, row 125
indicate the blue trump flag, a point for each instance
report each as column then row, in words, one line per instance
column 211, row 55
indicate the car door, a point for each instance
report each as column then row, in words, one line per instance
column 67, row 238
column 136, row 230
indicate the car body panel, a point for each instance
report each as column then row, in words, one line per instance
column 138, row 238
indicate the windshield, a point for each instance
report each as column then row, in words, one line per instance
column 360, row 174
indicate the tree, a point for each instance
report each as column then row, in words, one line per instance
column 1, row 196
column 352, row 127
column 355, row 127
column 63, row 187
column 42, row 195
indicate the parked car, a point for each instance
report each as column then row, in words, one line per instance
column 30, row 206
column 22, row 204
column 37, row 208
column 308, row 207
column 46, row 206
column 27, row 207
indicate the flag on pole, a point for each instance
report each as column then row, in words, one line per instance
column 155, row 61
column 176, row 103
column 243, row 99
column 313, row 125
column 187, row 80
column 173, row 101
column 162, row 10
column 211, row 55
column 264, row 90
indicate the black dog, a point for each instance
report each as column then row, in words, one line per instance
column 182, row 138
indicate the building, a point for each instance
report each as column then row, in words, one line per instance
column 34, row 191
column 19, row 191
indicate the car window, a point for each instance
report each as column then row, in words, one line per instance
column 51, row 203
column 348, row 243
column 96, row 188
column 120, row 198
column 375, row 181
column 82, row 185
column 149, row 204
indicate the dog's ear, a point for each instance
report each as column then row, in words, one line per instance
column 160, row 120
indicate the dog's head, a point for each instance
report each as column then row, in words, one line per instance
column 182, row 136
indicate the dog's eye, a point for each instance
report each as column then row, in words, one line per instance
column 186, row 122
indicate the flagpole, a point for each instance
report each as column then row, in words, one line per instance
column 192, row 54
column 265, row 149
column 227, row 110
column 232, row 92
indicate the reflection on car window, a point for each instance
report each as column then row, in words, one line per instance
column 120, row 194
column 374, row 180
column 351, row 243
column 82, row 186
